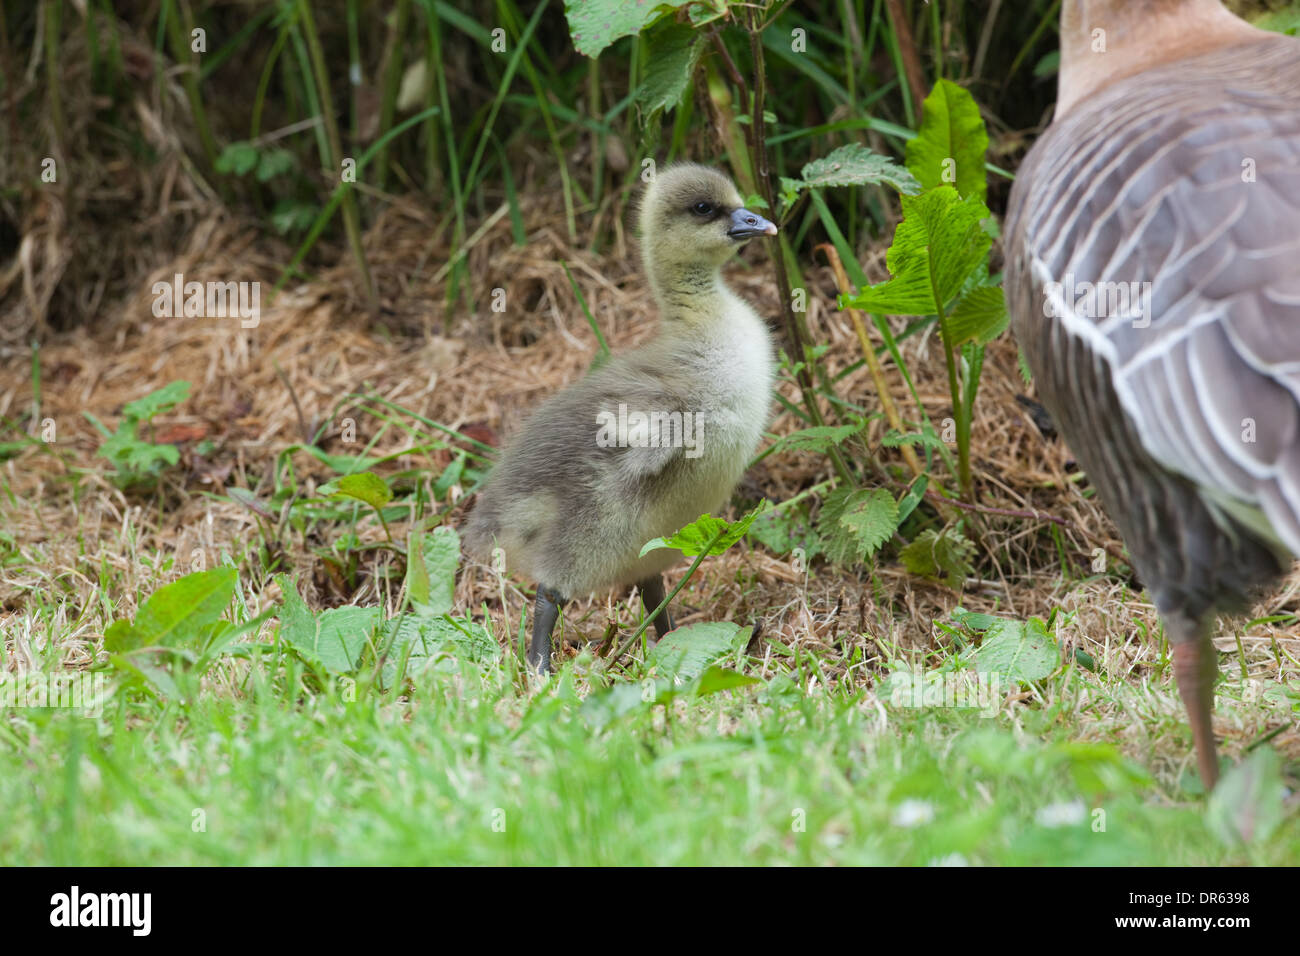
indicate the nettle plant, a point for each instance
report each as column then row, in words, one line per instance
column 938, row 260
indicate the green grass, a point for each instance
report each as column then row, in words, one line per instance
column 268, row 767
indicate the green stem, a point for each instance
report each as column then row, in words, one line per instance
column 704, row 552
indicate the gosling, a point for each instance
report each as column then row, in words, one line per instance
column 653, row 438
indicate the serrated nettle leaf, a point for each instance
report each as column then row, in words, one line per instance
column 181, row 612
column 365, row 487
column 871, row 516
column 855, row 522
column 673, row 49
column 687, row 652
column 855, row 165
column 951, row 143
column 431, row 563
column 696, row 536
column 936, row 247
column 981, row 316
column 1017, row 650
column 818, row 438
column 595, row 24
column 926, row 438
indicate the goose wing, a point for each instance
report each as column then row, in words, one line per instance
column 1160, row 226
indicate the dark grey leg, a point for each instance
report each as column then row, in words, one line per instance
column 652, row 595
column 545, row 612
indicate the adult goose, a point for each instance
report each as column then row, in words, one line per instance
column 653, row 438
column 1153, row 278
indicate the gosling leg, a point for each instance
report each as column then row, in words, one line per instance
column 652, row 595
column 545, row 612
column 1195, row 668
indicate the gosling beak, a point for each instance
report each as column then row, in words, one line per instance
column 747, row 225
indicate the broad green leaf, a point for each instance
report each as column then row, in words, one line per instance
column 696, row 536
column 366, row 487
column 335, row 639
column 439, row 642
column 687, row 652
column 431, row 562
column 121, row 636
column 181, row 612
column 717, row 679
column 595, row 24
column 951, row 143
column 936, row 247
column 1017, row 651
column 673, row 49
column 980, row 316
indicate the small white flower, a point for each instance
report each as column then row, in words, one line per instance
column 913, row 813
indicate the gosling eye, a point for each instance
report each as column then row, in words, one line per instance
column 702, row 208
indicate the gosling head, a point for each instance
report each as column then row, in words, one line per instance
column 692, row 219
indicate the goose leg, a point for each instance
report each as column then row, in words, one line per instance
column 545, row 612
column 652, row 595
column 1195, row 668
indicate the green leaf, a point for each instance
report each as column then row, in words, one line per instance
column 438, row 642
column 595, row 24
column 784, row 530
column 1017, row 651
column 365, row 486
column 951, row 143
column 182, row 611
column 936, row 247
column 155, row 403
column 855, row 165
column 236, row 158
column 717, row 679
column 856, row 522
column 817, row 439
column 673, row 49
column 871, row 516
column 687, row 652
column 695, row 537
column 981, row 316
column 431, row 562
column 942, row 556
column 334, row 639
column 274, row 162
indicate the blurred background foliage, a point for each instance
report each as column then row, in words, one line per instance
column 465, row 104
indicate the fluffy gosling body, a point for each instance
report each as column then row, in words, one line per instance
column 656, row 436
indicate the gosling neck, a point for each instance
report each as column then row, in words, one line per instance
column 691, row 292
column 1106, row 40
